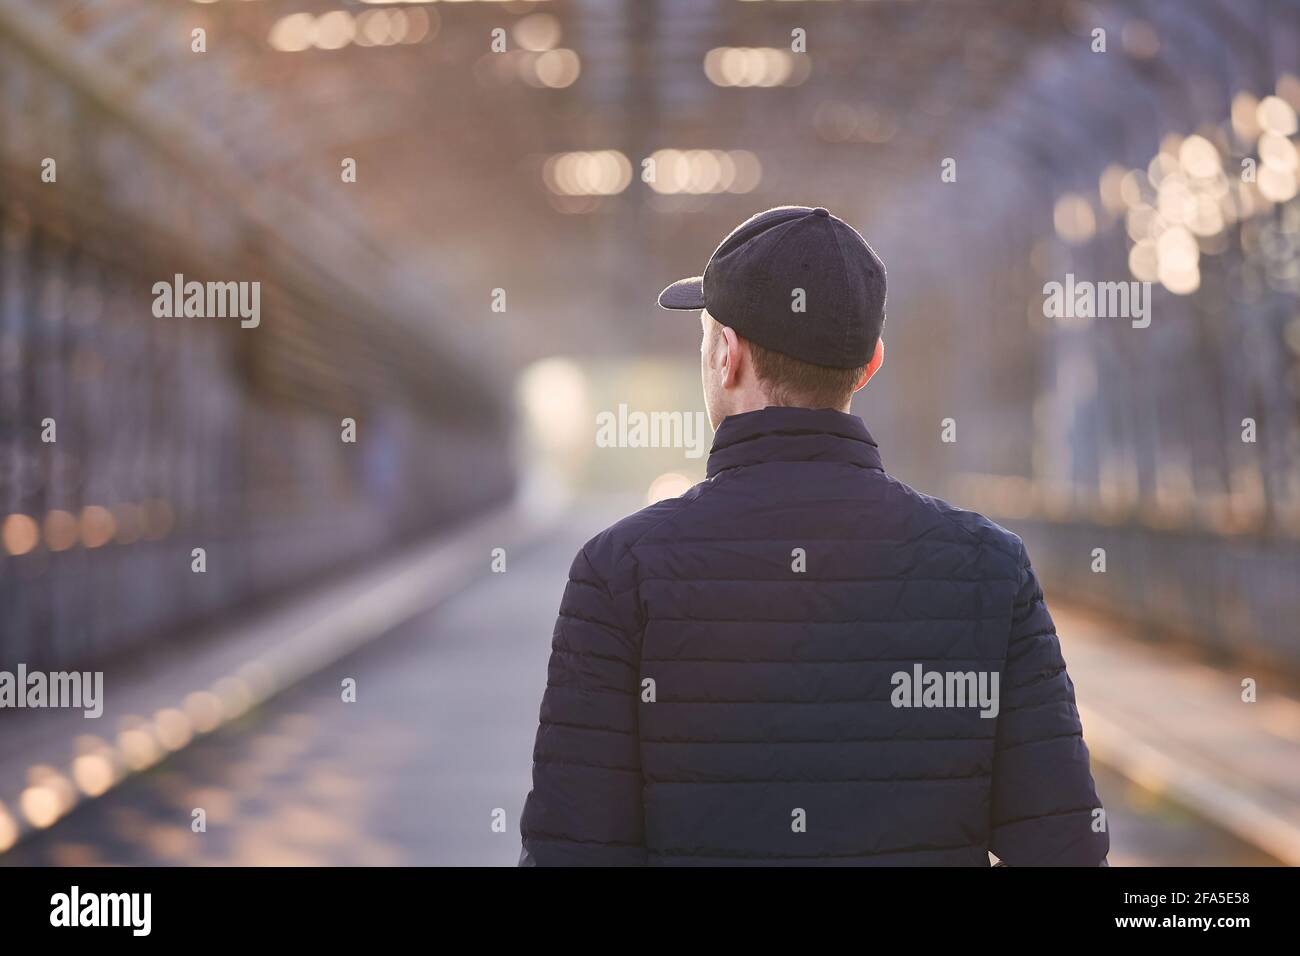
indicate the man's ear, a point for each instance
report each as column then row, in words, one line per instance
column 734, row 357
column 877, row 360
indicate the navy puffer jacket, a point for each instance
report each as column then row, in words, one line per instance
column 734, row 677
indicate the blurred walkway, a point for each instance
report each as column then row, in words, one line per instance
column 441, row 735
column 1181, row 728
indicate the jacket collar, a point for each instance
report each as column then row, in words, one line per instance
column 792, row 434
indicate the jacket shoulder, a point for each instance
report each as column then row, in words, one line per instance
column 974, row 526
column 607, row 550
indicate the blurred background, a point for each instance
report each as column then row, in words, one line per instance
column 460, row 214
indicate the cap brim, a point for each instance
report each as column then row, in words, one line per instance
column 684, row 294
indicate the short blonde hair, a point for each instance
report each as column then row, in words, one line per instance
column 792, row 382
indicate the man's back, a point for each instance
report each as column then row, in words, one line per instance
column 789, row 664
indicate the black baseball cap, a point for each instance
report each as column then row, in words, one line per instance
column 751, row 280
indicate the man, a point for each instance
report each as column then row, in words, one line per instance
column 802, row 660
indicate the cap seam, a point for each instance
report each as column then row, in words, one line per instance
column 765, row 274
column 844, row 265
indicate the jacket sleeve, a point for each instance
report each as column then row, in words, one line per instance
column 585, row 805
column 1044, row 805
